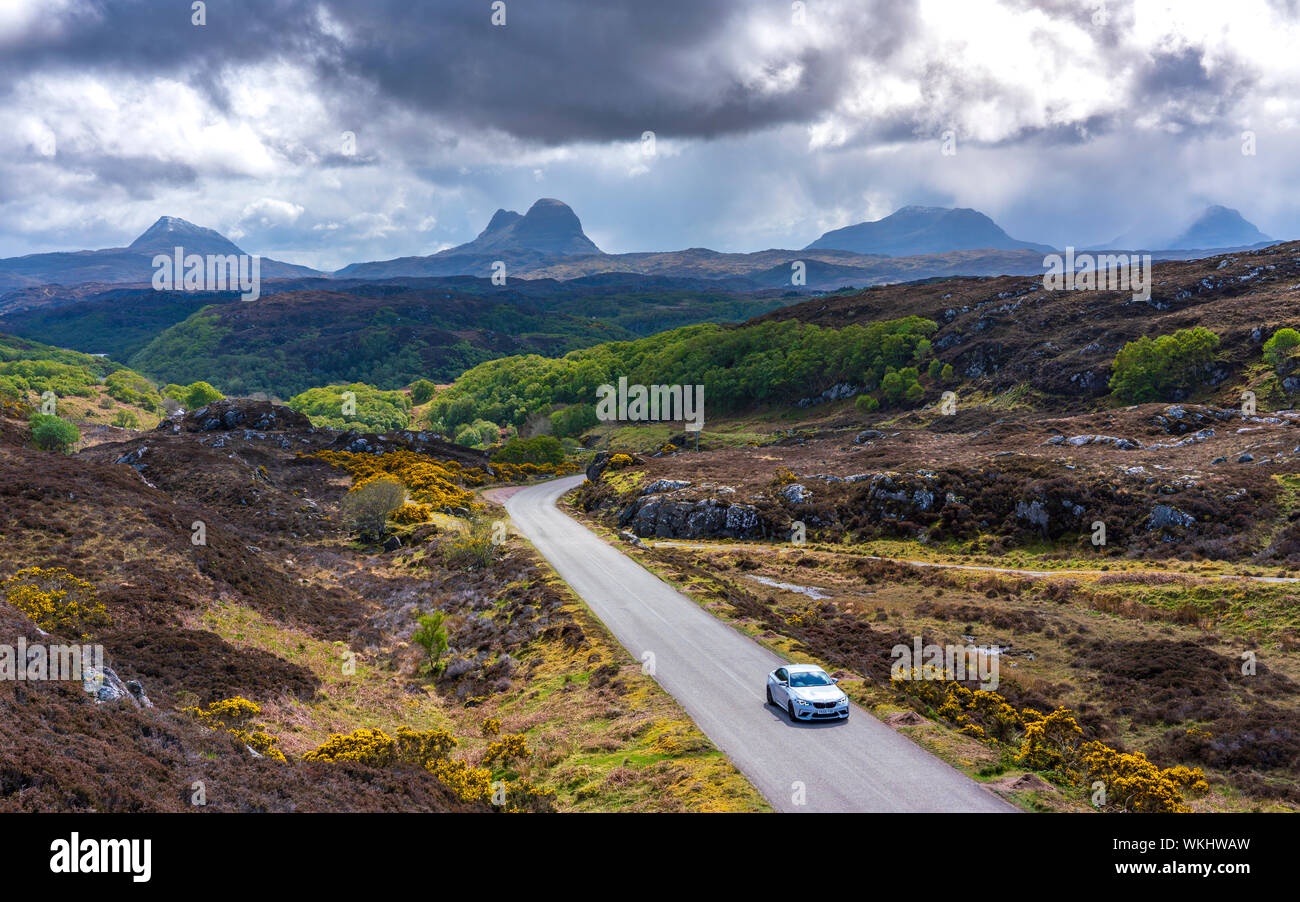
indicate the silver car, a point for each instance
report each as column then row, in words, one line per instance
column 806, row 692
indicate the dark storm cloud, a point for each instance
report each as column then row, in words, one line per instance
column 1187, row 90
column 557, row 72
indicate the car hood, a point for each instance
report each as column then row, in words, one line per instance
column 817, row 693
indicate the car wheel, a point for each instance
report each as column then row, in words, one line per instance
column 790, row 710
column 769, row 696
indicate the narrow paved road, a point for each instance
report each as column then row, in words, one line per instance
column 718, row 676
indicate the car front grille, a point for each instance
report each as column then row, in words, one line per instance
column 825, row 704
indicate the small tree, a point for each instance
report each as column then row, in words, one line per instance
column 49, row 433
column 367, row 506
column 124, row 419
column 422, row 391
column 200, row 394
column 431, row 635
column 1277, row 350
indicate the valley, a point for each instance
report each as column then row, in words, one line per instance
column 972, row 462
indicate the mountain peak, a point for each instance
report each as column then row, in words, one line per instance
column 500, row 219
column 922, row 230
column 170, row 232
column 549, row 227
column 1219, row 226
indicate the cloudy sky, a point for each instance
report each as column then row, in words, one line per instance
column 770, row 121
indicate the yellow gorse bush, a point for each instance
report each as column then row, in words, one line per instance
column 431, row 749
column 410, row 513
column 1053, row 743
column 57, row 601
column 439, row 485
column 231, row 715
column 507, row 748
column 434, row 485
column 1132, row 783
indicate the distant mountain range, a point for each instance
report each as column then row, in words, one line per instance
column 133, row 263
column 548, row 242
column 923, row 230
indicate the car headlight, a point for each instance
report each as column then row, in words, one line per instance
column 799, row 701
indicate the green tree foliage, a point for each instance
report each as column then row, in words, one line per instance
column 478, row 434
column 866, row 404
column 1278, row 349
column 376, row 410
column 431, row 635
column 49, row 433
column 948, row 374
column 899, row 386
column 192, row 396
column 125, row 419
column 540, row 449
column 130, row 387
column 422, row 391
column 574, row 419
column 1153, row 369
column 200, row 394
column 768, row 363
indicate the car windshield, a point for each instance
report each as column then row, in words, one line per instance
column 809, row 678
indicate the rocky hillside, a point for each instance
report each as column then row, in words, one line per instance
column 250, row 635
column 1006, row 332
column 1166, row 480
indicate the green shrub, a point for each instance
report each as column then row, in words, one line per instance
column 478, row 434
column 866, row 404
column 376, row 410
column 125, row 419
column 130, row 387
column 1277, row 350
column 422, row 391
column 541, row 449
column 199, row 394
column 49, row 433
column 1154, row 369
column 902, row 385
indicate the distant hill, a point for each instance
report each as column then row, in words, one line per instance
column 133, row 263
column 1219, row 227
column 923, row 230
column 1216, row 228
column 387, row 333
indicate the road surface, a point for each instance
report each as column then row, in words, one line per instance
column 719, row 675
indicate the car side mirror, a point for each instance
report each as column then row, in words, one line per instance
column 833, row 680
column 783, row 682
